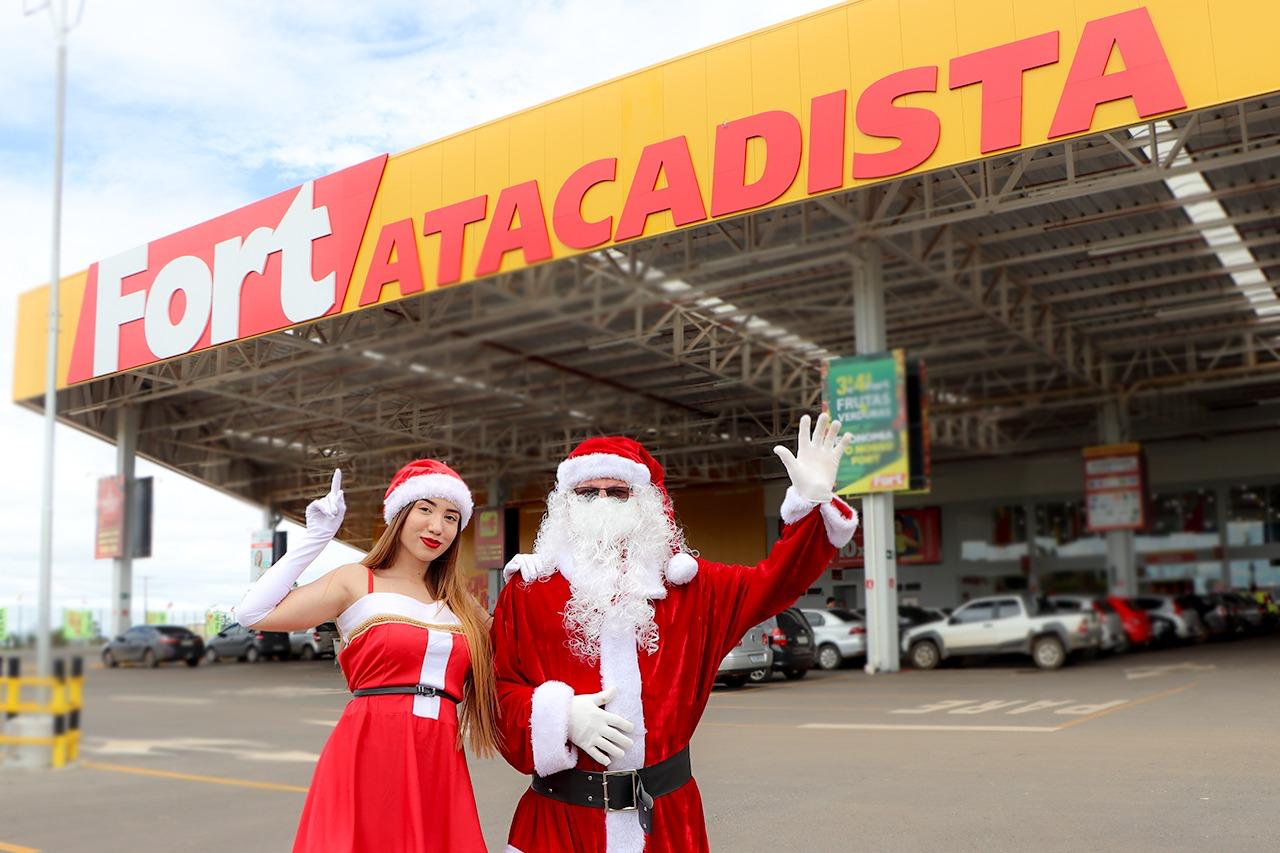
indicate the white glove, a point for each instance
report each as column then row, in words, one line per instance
column 324, row 517
column 531, row 567
column 595, row 731
column 813, row 467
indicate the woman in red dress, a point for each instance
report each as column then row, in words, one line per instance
column 393, row 776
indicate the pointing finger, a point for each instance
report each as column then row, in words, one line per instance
column 336, row 485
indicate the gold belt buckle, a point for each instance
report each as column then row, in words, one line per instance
column 635, row 799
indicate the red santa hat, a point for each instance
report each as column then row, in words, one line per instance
column 427, row 478
column 617, row 457
column 611, row 457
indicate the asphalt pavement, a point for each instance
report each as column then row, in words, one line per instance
column 1169, row 750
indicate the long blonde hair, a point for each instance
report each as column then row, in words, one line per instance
column 478, row 714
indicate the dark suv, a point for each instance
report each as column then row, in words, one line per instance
column 241, row 643
column 150, row 645
column 793, row 645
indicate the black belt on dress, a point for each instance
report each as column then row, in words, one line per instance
column 414, row 689
column 618, row 790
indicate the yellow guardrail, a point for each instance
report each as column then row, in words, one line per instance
column 65, row 691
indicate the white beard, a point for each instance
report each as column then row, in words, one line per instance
column 615, row 547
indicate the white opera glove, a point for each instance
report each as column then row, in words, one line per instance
column 324, row 517
column 531, row 567
column 817, row 458
column 595, row 731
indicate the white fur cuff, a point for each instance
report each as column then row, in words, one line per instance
column 795, row 507
column 549, row 728
column 840, row 527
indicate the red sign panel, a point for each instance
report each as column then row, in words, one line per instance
column 280, row 261
column 917, row 535
column 109, row 538
column 1115, row 490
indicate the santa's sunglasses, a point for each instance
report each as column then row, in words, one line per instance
column 618, row 493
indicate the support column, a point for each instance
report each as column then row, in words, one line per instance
column 1122, row 568
column 122, row 567
column 1223, row 496
column 498, row 498
column 879, row 543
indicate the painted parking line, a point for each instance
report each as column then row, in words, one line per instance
column 162, row 700
column 924, row 727
column 1138, row 673
column 1152, row 698
column 192, row 777
column 16, row 848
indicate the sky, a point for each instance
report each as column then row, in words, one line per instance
column 180, row 111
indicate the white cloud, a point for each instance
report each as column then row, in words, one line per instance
column 181, row 111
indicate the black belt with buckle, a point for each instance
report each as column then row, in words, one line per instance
column 618, row 790
column 414, row 689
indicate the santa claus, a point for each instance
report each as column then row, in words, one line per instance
column 607, row 645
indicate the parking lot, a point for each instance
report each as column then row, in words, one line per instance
column 1168, row 750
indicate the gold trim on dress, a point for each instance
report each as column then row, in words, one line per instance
column 385, row 619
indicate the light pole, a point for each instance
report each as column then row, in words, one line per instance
column 58, row 15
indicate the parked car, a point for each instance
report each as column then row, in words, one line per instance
column 1250, row 615
column 792, row 641
column 241, row 643
column 1137, row 624
column 1214, row 615
column 752, row 653
column 1112, row 637
column 909, row 616
column 152, row 645
column 1020, row 624
column 840, row 634
column 314, row 643
column 1184, row 623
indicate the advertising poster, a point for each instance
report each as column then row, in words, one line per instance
column 260, row 553
column 77, row 624
column 1115, row 487
column 489, row 538
column 917, row 533
column 867, row 394
column 157, row 617
column 109, row 538
column 4, row 624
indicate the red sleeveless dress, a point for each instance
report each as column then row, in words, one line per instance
column 391, row 777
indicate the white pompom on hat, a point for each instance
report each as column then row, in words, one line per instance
column 423, row 479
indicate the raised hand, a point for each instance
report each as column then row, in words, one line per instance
column 814, row 465
column 597, row 732
column 324, row 515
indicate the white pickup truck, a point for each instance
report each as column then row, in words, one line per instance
column 1004, row 624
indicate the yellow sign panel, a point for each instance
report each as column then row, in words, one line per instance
column 863, row 92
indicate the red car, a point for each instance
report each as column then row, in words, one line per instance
column 1137, row 623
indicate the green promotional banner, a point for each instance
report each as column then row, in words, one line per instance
column 867, row 394
column 215, row 621
column 77, row 624
column 157, row 617
column 4, row 623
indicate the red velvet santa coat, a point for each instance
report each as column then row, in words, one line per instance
column 702, row 609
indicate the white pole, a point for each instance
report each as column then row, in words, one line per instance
column 58, row 11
